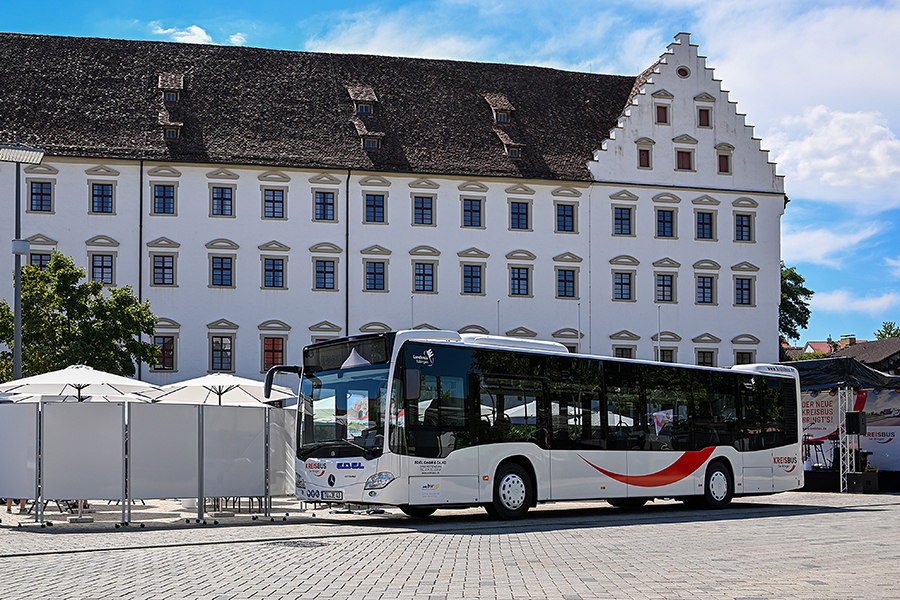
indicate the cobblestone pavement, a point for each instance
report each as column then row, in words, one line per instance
column 791, row 546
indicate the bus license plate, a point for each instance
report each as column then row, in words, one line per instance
column 332, row 495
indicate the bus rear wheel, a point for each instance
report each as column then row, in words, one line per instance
column 627, row 502
column 513, row 492
column 419, row 512
column 719, row 486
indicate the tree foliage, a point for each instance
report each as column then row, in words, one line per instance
column 812, row 356
column 793, row 313
column 66, row 322
column 888, row 329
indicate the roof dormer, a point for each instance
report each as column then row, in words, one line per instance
column 364, row 99
column 501, row 107
column 171, row 85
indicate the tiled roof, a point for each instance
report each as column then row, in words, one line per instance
column 886, row 351
column 92, row 97
column 823, row 347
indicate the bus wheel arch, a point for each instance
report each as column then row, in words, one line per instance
column 514, row 489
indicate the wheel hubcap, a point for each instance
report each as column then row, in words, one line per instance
column 718, row 486
column 512, row 491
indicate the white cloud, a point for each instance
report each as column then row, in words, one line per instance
column 238, row 39
column 822, row 246
column 894, row 265
column 190, row 35
column 845, row 302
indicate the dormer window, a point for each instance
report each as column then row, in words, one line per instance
column 514, row 151
column 173, row 133
column 364, row 108
column 502, row 116
column 371, row 142
column 171, row 96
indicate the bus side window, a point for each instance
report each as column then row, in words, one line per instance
column 751, row 425
column 627, row 416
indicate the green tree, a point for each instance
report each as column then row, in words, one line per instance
column 888, row 329
column 66, row 322
column 793, row 313
column 812, row 356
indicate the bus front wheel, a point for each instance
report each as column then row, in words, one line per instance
column 719, row 486
column 513, row 492
column 419, row 512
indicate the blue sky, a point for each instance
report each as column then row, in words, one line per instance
column 816, row 78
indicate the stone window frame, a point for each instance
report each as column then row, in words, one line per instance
column 576, row 287
column 103, row 252
column 412, row 205
column 263, row 336
column 335, row 203
column 161, row 253
column 284, row 271
column 556, row 205
column 674, row 211
column 633, row 288
column 658, row 349
column 233, row 187
column 674, row 275
column 633, row 219
column 210, row 336
column 713, row 351
column 693, row 159
column 152, row 203
column 462, row 277
column 726, row 151
column 752, row 279
column 713, row 224
column 90, row 185
column 752, row 225
column 529, row 214
column 52, row 182
column 365, row 273
column 530, row 279
column 482, row 203
column 334, row 259
column 715, row 288
column 284, row 201
column 752, row 354
column 233, row 257
column 434, row 276
column 632, row 350
column 174, row 335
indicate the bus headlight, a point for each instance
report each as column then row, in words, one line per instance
column 379, row 480
column 301, row 485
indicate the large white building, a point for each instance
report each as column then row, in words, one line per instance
column 262, row 200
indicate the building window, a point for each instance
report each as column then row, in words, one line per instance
column 324, row 206
column 704, row 226
column 222, row 270
column 163, row 199
column 622, row 286
column 620, row 352
column 743, row 291
column 471, row 213
column 102, row 268
column 684, row 160
column 163, row 269
column 424, row 277
column 704, row 117
column 666, row 355
column 502, row 116
column 565, row 218
column 665, row 287
column 665, row 223
column 725, row 164
column 644, row 158
column 565, row 283
column 706, row 358
column 165, row 358
column 102, row 198
column 222, row 201
column 273, row 275
column 41, row 261
column 324, row 274
column 518, row 215
column 743, row 358
column 662, row 114
column 222, row 353
column 374, row 208
column 273, row 352
column 622, row 221
column 422, row 210
column 172, row 133
column 41, row 196
column 514, row 151
column 472, row 279
column 375, row 275
column 518, row 281
column 364, row 108
column 171, row 96
column 273, row 204
column 705, row 289
column 742, row 228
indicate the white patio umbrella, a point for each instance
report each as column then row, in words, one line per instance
column 218, row 388
column 79, row 380
column 94, row 398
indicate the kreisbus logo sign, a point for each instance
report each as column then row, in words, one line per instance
column 881, row 437
column 787, row 463
column 316, row 466
column 426, row 358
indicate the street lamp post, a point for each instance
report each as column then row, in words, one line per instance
column 31, row 156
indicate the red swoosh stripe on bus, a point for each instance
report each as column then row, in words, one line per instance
column 678, row 470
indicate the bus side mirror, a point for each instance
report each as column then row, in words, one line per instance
column 412, row 381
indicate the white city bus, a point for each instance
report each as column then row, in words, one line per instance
column 424, row 420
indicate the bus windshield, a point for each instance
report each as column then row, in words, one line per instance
column 345, row 409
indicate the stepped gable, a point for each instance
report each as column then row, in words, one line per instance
column 102, row 98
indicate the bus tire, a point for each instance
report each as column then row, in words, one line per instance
column 719, row 487
column 417, row 512
column 513, row 492
column 627, row 502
